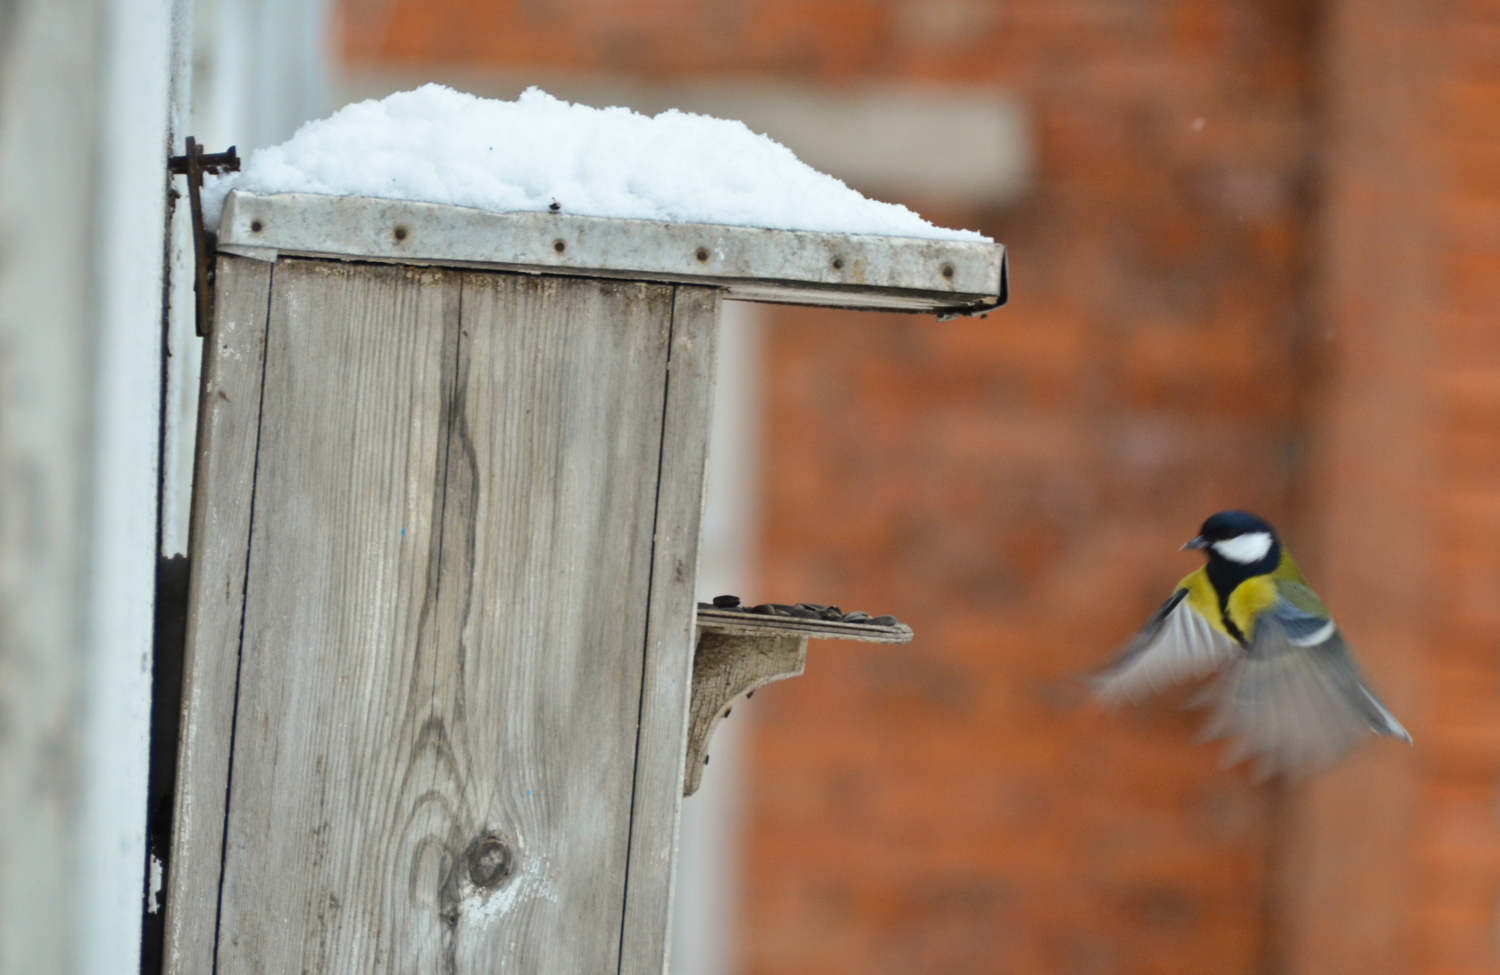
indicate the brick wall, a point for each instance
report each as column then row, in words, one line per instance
column 1400, row 855
column 1257, row 267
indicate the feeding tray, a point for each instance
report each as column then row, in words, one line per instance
column 741, row 649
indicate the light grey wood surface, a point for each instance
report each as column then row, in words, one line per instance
column 669, row 644
column 446, row 622
column 228, row 420
column 749, row 263
column 727, row 667
column 755, row 624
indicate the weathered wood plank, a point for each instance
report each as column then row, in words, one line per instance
column 561, row 535
column 347, row 510
column 446, row 619
column 751, row 263
column 228, row 421
column 754, row 624
column 669, row 645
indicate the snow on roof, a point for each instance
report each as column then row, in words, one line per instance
column 437, row 145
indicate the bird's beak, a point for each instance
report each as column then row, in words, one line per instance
column 1199, row 542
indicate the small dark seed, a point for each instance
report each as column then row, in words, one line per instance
column 764, row 609
column 802, row 614
column 883, row 621
column 728, row 712
column 554, row 206
column 705, row 759
column 856, row 617
column 726, row 602
column 815, row 607
column 750, row 695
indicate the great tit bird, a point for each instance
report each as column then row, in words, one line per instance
column 1287, row 685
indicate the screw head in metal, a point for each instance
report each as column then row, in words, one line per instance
column 838, row 263
column 255, row 226
column 559, row 246
column 948, row 271
column 400, row 233
column 490, row 861
column 702, row 254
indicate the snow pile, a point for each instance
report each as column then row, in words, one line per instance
column 436, row 145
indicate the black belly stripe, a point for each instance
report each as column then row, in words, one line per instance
column 1234, row 631
column 1225, row 576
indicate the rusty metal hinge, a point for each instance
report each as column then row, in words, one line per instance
column 193, row 165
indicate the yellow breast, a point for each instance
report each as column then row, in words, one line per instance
column 1249, row 599
column 1202, row 598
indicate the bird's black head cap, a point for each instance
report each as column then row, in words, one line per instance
column 1232, row 524
column 1239, row 545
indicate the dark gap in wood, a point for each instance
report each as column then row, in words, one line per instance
column 171, row 597
column 239, row 660
column 169, row 645
column 640, row 709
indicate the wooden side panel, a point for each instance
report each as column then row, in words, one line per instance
column 559, row 534
column 228, row 423
column 445, row 623
column 669, row 644
column 346, row 525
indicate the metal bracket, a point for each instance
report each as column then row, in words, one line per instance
column 193, row 165
column 740, row 651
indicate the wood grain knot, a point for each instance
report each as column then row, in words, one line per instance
column 490, row 861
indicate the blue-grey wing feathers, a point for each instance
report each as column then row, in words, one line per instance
column 1175, row 646
column 1294, row 698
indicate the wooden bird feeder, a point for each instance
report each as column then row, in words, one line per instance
column 440, row 688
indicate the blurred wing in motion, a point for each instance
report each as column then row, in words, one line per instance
column 1175, row 645
column 1295, row 699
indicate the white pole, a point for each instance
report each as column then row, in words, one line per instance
column 129, row 252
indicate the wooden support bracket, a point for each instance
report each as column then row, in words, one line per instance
column 739, row 652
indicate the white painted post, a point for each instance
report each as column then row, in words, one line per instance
column 85, row 122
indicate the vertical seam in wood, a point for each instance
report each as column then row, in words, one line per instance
column 447, row 418
column 635, row 772
column 260, row 412
column 446, row 409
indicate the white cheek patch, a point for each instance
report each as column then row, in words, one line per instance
column 1244, row 549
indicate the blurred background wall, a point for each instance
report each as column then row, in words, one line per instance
column 1256, row 262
